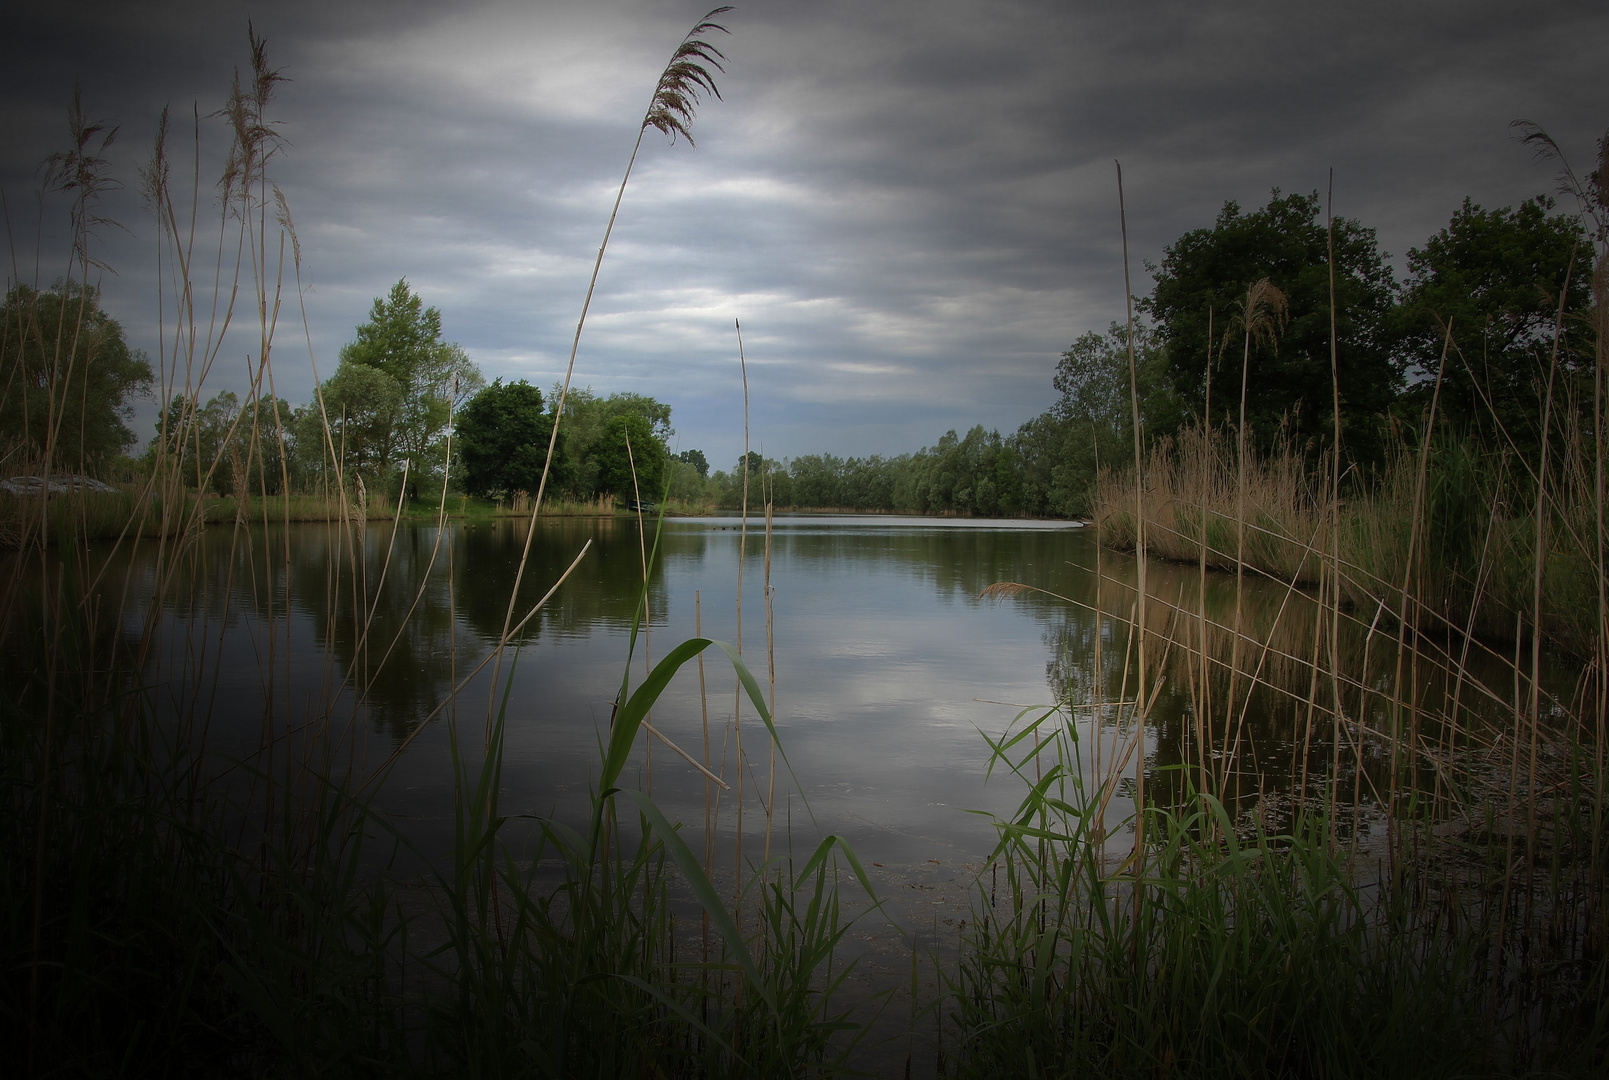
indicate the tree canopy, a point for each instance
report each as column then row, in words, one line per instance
column 66, row 376
column 697, row 460
column 363, row 405
column 1092, row 377
column 1495, row 276
column 397, row 384
column 502, row 440
column 224, row 445
column 1207, row 271
column 1091, row 421
column 630, row 458
column 597, row 445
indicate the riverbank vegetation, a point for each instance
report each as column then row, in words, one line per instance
column 1496, row 275
column 1243, row 935
column 1427, row 898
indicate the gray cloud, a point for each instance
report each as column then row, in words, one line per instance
column 911, row 206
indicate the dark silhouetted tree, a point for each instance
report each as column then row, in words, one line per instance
column 1495, row 275
column 502, row 440
column 1288, row 385
column 66, row 376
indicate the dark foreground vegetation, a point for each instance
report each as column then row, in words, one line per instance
column 1430, row 902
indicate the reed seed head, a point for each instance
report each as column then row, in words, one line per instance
column 81, row 174
column 1004, row 590
column 246, row 110
column 1262, row 314
column 685, row 80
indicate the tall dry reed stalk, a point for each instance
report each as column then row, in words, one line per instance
column 1407, row 624
column 676, row 97
column 737, row 702
column 177, row 910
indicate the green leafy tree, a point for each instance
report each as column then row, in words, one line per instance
column 222, row 445
column 971, row 474
column 697, row 460
column 1049, row 465
column 1092, row 379
column 686, row 484
column 272, row 439
column 402, row 341
column 1056, row 464
column 1495, row 277
column 819, row 480
column 586, row 423
column 502, row 440
column 1288, row 384
column 630, row 458
column 768, row 478
column 754, row 462
column 194, row 436
column 309, row 451
column 66, row 376
column 827, row 481
column 362, row 404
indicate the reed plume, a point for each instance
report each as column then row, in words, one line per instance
column 685, row 80
column 676, row 96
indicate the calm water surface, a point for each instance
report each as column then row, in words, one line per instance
column 888, row 671
column 880, row 650
column 888, row 668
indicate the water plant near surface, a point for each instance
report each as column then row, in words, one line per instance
column 1249, row 949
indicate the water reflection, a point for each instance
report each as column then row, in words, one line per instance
column 1251, row 704
column 885, row 666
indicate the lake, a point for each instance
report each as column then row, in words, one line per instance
column 886, row 668
column 891, row 663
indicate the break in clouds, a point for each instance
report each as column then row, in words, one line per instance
column 912, row 207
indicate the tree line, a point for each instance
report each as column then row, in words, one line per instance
column 400, row 403
column 1472, row 324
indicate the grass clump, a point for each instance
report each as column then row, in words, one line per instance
column 132, row 512
column 1451, row 519
column 1241, row 949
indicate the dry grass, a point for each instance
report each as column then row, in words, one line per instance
column 1192, row 490
column 1468, row 564
column 81, row 517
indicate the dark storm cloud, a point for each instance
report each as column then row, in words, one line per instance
column 911, row 206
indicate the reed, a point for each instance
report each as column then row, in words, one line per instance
column 176, row 906
column 1420, row 642
column 1270, row 934
column 1473, row 551
column 1242, row 952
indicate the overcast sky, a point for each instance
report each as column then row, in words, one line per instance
column 911, row 206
